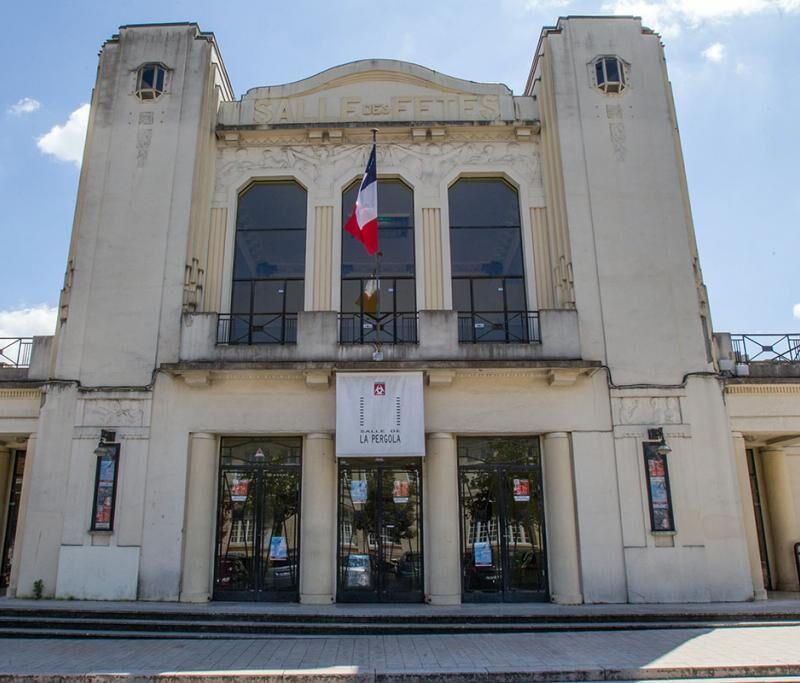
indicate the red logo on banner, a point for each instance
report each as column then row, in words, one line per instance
column 379, row 389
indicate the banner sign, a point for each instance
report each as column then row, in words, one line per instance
column 379, row 415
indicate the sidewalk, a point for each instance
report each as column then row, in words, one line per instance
column 682, row 653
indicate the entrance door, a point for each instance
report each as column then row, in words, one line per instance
column 258, row 521
column 502, row 520
column 380, row 532
column 12, row 513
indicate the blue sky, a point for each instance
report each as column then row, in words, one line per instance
column 734, row 66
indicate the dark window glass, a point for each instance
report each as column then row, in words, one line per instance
column 148, row 77
column 487, row 262
column 272, row 206
column 105, row 487
column 483, row 203
column 612, row 69
column 396, row 244
column 243, row 450
column 499, row 451
column 486, row 252
column 269, row 263
column 598, row 69
column 270, row 254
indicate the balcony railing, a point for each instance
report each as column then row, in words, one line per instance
column 766, row 347
column 387, row 328
column 499, row 327
column 15, row 352
column 257, row 328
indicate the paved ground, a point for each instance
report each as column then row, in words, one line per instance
column 656, row 654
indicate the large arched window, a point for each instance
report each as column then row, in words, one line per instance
column 268, row 264
column 390, row 315
column 487, row 263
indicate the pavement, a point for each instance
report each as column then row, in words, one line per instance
column 768, row 651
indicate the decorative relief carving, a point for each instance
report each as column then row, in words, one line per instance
column 143, row 139
column 115, row 413
column 193, row 279
column 430, row 162
column 646, row 411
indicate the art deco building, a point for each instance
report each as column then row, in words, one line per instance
column 530, row 405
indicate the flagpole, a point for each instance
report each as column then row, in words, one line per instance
column 378, row 256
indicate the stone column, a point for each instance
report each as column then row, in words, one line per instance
column 30, row 454
column 318, row 521
column 198, row 539
column 442, row 563
column 782, row 517
column 561, row 520
column 748, row 514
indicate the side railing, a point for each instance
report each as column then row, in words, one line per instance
column 748, row 348
column 257, row 328
column 15, row 352
column 387, row 328
column 499, row 327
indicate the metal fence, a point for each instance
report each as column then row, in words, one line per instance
column 766, row 347
column 499, row 327
column 257, row 328
column 387, row 328
column 15, row 352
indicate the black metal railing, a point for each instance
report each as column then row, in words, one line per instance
column 499, row 327
column 257, row 328
column 387, row 328
column 766, row 347
column 15, row 352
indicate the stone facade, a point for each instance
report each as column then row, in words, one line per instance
column 621, row 347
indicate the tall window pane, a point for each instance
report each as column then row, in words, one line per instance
column 487, row 261
column 392, row 319
column 268, row 264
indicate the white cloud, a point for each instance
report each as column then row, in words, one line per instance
column 715, row 53
column 670, row 17
column 66, row 142
column 27, row 322
column 742, row 69
column 24, row 106
column 796, row 311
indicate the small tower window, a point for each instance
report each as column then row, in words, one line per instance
column 609, row 74
column 150, row 81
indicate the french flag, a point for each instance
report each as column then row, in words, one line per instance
column 363, row 222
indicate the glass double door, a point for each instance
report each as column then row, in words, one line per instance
column 502, row 527
column 258, row 527
column 380, row 532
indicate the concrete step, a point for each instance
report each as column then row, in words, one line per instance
column 133, row 626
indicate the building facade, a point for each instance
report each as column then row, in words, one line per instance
column 521, row 400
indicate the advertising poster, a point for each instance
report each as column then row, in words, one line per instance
column 239, row 489
column 655, row 466
column 358, row 491
column 482, row 554
column 658, row 491
column 522, row 490
column 278, row 549
column 400, row 491
column 662, row 518
column 102, row 515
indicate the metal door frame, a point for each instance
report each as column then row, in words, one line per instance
column 506, row 593
column 379, row 594
column 258, row 594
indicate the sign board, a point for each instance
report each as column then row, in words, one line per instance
column 379, row 415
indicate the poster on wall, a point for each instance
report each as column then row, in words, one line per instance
column 400, row 491
column 239, row 488
column 358, row 491
column 522, row 490
column 278, row 549
column 482, row 554
column 658, row 488
column 379, row 414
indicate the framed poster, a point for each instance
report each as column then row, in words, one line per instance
column 278, row 549
column 105, row 487
column 239, row 489
column 400, row 491
column 659, row 496
column 358, row 491
column 522, row 490
column 482, row 554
